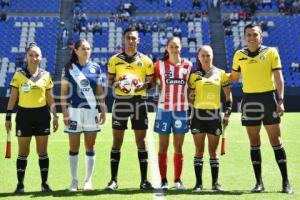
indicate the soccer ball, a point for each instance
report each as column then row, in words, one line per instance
column 128, row 83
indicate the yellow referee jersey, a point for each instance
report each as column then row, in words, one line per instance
column 139, row 65
column 257, row 68
column 32, row 89
column 208, row 88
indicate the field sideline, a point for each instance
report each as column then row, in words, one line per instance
column 236, row 175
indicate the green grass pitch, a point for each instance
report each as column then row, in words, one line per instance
column 236, row 175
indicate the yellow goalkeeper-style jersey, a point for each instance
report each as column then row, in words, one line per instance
column 138, row 65
column 208, row 88
column 32, row 89
column 257, row 68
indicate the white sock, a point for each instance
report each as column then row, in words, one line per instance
column 74, row 166
column 89, row 167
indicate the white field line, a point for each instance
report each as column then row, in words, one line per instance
column 158, row 194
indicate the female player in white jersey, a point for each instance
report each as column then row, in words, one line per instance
column 172, row 115
column 81, row 93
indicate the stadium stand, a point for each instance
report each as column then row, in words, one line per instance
column 16, row 33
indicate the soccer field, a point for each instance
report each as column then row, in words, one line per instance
column 236, row 175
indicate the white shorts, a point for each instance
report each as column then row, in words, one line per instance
column 83, row 120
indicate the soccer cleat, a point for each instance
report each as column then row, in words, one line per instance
column 19, row 189
column 88, row 185
column 178, row 185
column 286, row 188
column 164, row 185
column 146, row 185
column 46, row 188
column 217, row 187
column 112, row 185
column 198, row 188
column 74, row 186
column 259, row 187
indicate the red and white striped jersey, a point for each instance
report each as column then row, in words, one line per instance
column 173, row 84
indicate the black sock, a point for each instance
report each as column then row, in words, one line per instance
column 21, row 167
column 256, row 162
column 143, row 159
column 44, row 166
column 281, row 161
column 115, row 155
column 214, row 166
column 198, row 166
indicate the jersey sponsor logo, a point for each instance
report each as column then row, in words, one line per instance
column 47, row 130
column 116, row 123
column 240, row 59
column 178, row 124
column 174, row 81
column 275, row 115
column 84, row 83
column 218, row 132
column 19, row 132
column 195, row 130
column 25, row 87
column 252, row 61
column 73, row 125
column 119, row 63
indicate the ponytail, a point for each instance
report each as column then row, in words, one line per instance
column 72, row 59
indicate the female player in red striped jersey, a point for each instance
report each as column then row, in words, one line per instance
column 172, row 114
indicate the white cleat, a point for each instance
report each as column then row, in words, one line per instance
column 178, row 185
column 74, row 186
column 88, row 185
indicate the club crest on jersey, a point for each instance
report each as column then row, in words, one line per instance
column 93, row 70
column 262, row 57
column 139, row 64
column 169, row 73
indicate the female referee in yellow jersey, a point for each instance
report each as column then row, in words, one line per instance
column 205, row 94
column 260, row 67
column 32, row 86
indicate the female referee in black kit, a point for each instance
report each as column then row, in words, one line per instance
column 32, row 86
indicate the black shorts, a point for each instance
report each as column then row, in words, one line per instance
column 206, row 121
column 259, row 108
column 134, row 107
column 33, row 122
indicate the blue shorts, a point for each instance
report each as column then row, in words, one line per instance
column 167, row 122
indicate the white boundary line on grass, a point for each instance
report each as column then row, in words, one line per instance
column 158, row 194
